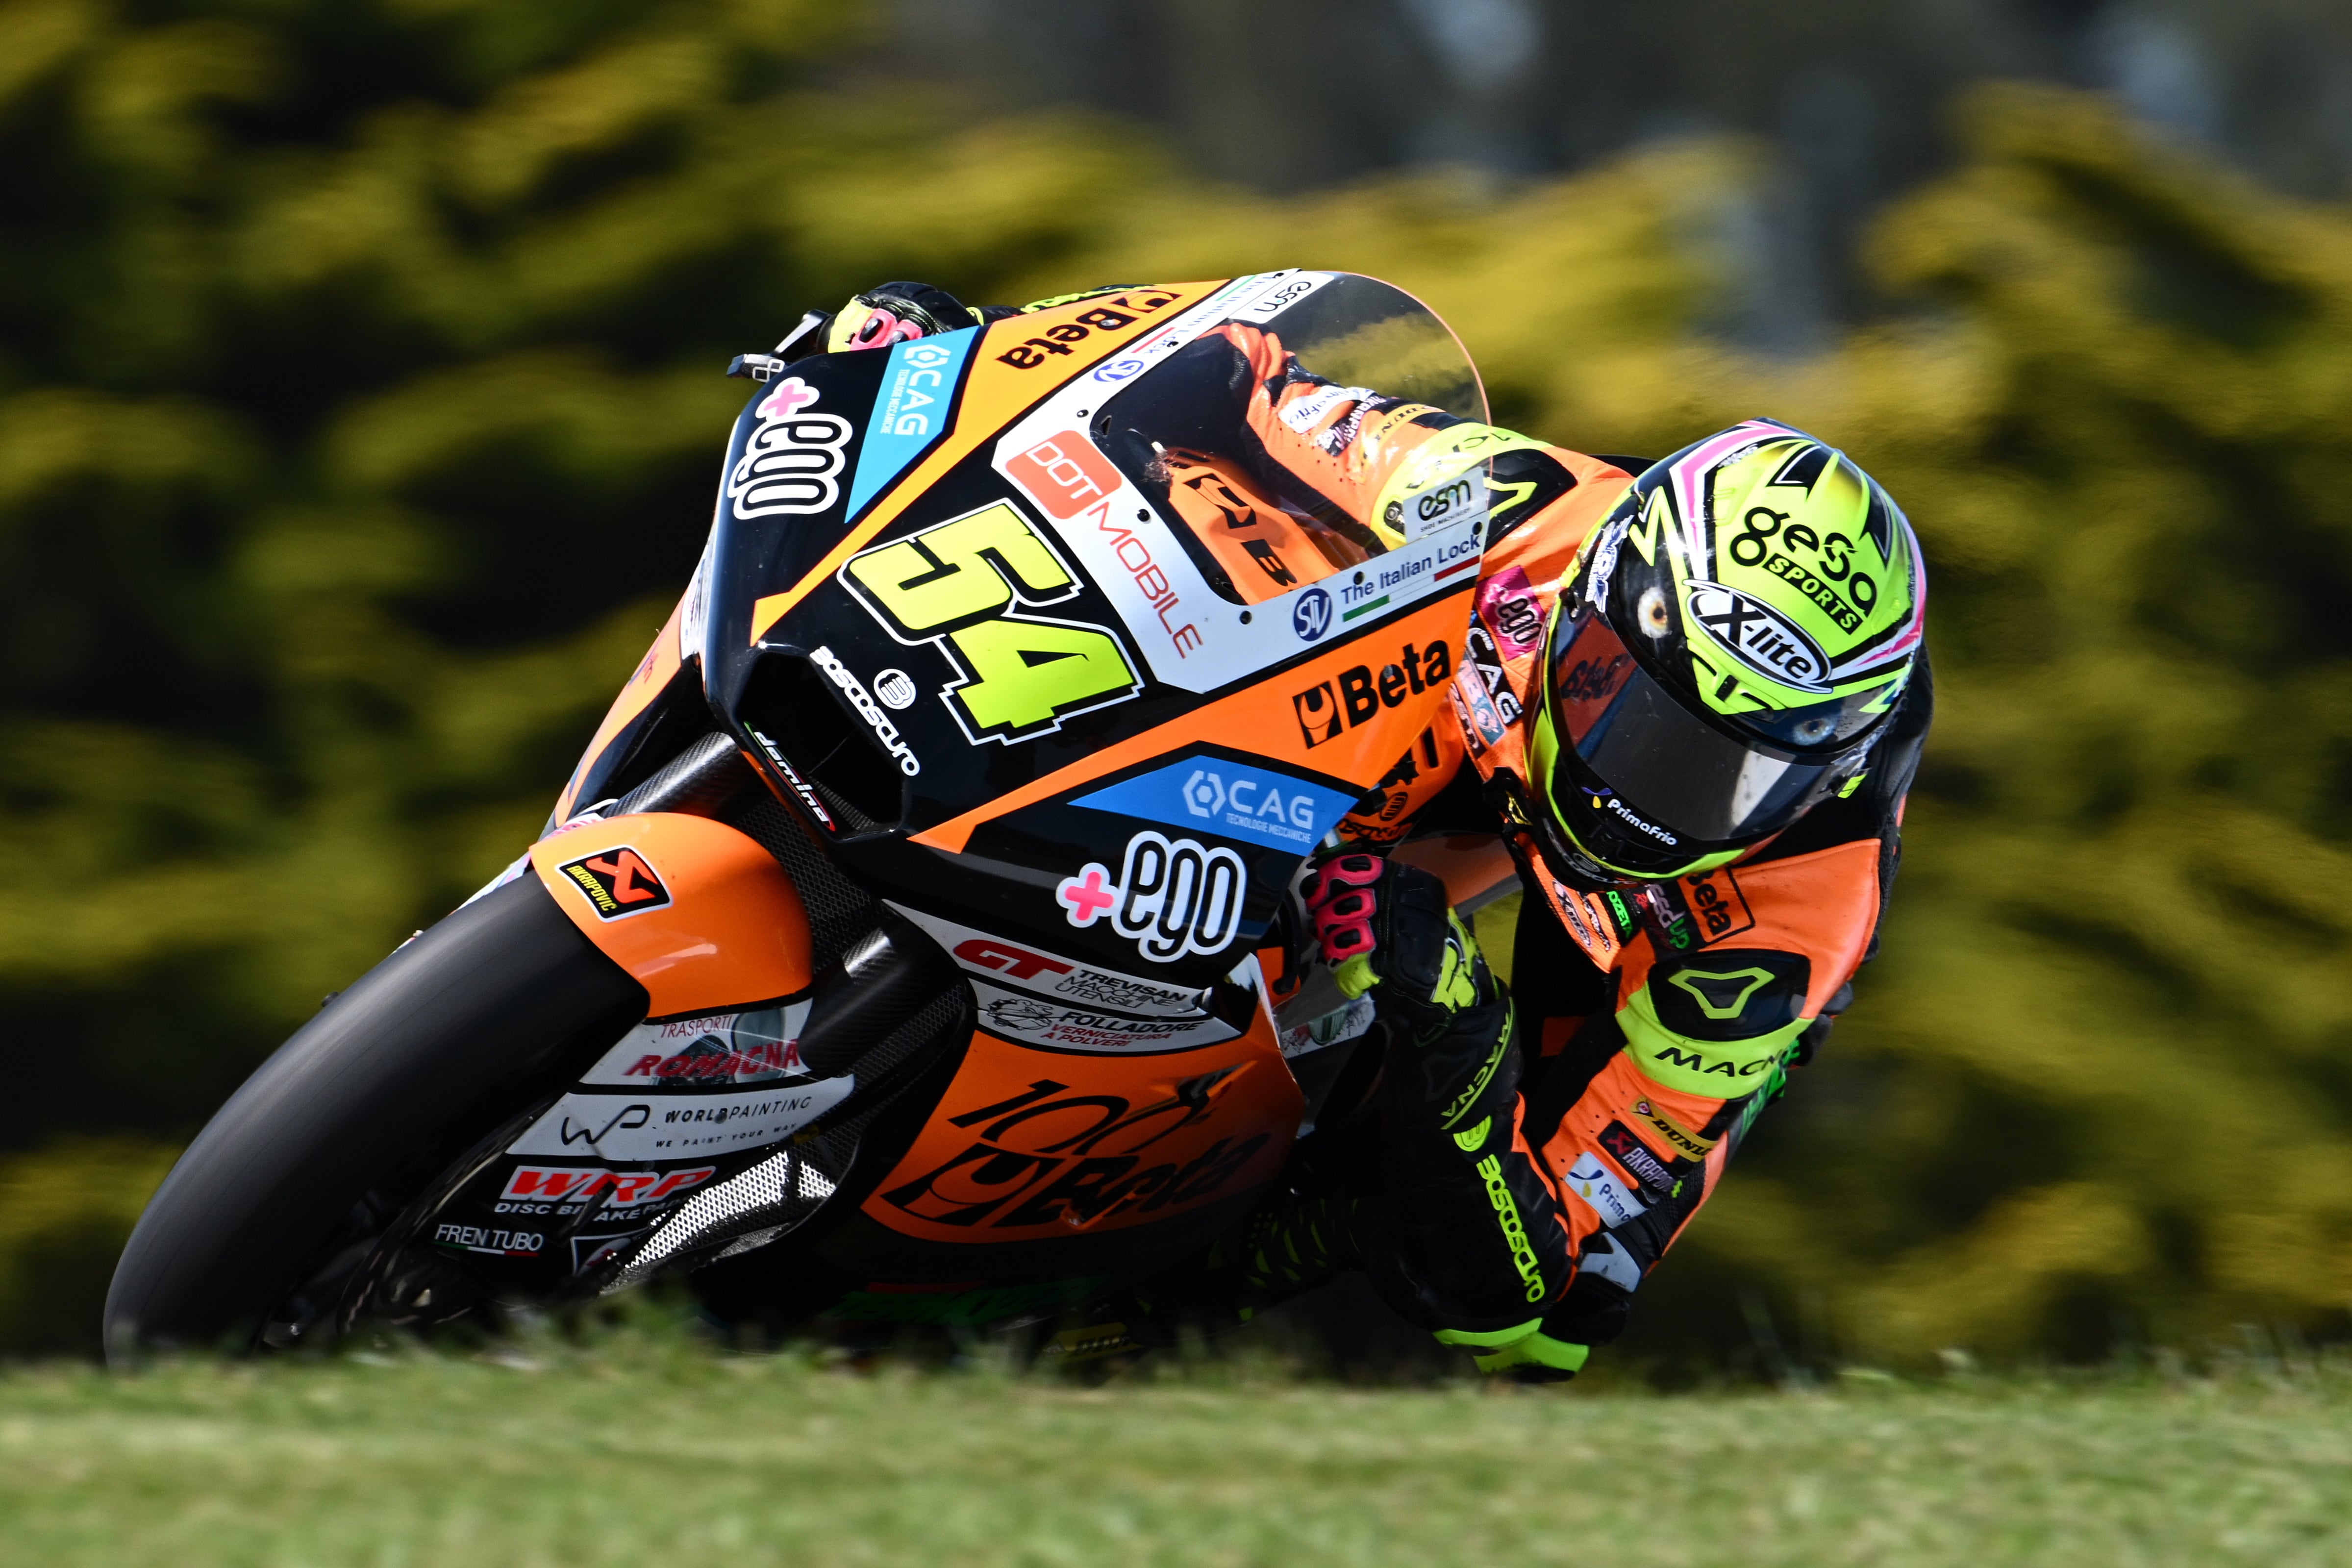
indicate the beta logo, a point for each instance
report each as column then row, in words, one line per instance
column 1330, row 708
column 1760, row 636
column 619, row 883
column 1112, row 315
column 1172, row 897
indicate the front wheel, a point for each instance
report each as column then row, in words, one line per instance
column 262, row 1223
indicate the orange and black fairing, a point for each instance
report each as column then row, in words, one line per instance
column 1029, row 1144
column 658, row 711
column 1074, row 704
column 937, row 644
column 699, row 915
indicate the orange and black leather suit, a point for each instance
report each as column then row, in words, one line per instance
column 1607, row 1062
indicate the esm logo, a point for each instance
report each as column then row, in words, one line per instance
column 1355, row 697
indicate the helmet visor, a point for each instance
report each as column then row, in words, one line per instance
column 1642, row 758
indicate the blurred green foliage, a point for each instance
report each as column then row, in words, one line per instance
column 63, row 1216
column 359, row 408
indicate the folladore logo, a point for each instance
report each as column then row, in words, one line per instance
column 618, row 882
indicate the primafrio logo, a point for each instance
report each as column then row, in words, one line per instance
column 1172, row 897
column 1759, row 636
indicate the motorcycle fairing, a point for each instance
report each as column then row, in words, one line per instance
column 1192, row 638
column 701, row 915
column 630, row 720
column 981, row 833
column 1007, row 373
column 1030, row 1145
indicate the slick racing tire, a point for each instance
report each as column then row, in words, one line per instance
column 358, row 1113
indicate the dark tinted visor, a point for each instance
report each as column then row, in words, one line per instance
column 1664, row 764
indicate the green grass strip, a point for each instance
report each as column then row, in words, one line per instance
column 651, row 1450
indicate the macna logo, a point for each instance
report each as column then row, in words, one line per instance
column 619, row 883
column 1721, row 996
column 1700, row 1064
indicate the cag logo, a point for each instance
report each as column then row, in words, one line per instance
column 1204, row 793
column 1311, row 616
column 1327, row 710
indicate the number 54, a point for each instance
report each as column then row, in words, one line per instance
column 961, row 586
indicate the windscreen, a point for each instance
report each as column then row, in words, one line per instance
column 1334, row 422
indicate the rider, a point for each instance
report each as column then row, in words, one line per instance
column 1695, row 696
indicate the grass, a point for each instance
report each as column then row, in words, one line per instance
column 646, row 1447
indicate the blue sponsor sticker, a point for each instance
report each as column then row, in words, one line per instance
column 1232, row 800
column 910, row 411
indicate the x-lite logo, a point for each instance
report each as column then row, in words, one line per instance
column 618, row 882
column 1732, row 622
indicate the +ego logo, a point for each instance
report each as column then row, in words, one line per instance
column 790, row 462
column 1172, row 897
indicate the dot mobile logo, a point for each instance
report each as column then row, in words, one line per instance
column 1066, row 475
column 619, row 883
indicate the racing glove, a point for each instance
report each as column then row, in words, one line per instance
column 896, row 313
column 1383, row 924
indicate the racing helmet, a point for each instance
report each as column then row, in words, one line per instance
column 1728, row 647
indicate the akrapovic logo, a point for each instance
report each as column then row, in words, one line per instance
column 618, row 882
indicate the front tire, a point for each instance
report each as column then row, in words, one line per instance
column 360, row 1111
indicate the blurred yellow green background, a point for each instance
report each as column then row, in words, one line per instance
column 359, row 404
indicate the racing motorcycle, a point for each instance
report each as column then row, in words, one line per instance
column 916, row 941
